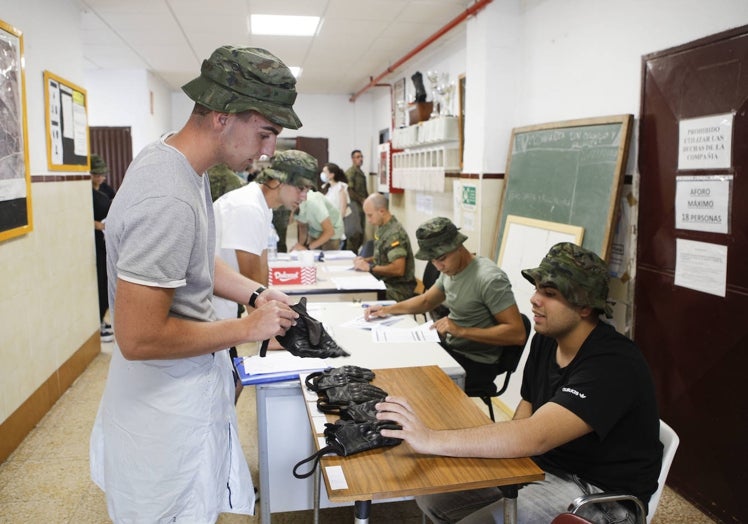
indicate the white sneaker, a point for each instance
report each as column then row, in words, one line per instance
column 106, row 332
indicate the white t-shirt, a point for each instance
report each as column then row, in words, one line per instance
column 243, row 222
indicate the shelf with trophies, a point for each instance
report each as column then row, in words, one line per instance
column 431, row 143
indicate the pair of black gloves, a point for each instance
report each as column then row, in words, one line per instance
column 347, row 392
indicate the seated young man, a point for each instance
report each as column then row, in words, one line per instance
column 483, row 315
column 588, row 414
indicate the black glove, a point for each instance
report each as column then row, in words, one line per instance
column 332, row 399
column 346, row 438
column 308, row 337
column 364, row 412
column 340, row 376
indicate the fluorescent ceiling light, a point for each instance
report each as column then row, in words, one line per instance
column 283, row 25
column 295, row 71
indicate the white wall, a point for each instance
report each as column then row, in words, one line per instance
column 130, row 98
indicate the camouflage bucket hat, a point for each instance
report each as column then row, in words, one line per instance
column 437, row 237
column 98, row 166
column 237, row 79
column 292, row 167
column 579, row 274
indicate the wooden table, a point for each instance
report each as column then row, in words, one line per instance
column 283, row 433
column 398, row 471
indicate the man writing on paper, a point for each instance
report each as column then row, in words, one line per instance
column 392, row 261
column 588, row 414
column 483, row 316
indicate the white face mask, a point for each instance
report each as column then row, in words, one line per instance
column 323, row 177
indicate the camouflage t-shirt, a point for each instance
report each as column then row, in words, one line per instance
column 391, row 242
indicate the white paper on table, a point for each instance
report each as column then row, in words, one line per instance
column 363, row 281
column 421, row 333
column 342, row 254
column 279, row 361
column 362, row 323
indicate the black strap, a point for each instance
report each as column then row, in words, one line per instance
column 264, row 348
column 315, row 457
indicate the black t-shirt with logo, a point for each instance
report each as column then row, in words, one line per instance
column 609, row 386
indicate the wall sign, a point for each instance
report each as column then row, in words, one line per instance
column 702, row 203
column 705, row 142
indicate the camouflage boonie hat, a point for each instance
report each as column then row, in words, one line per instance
column 98, row 166
column 437, row 237
column 579, row 274
column 237, row 79
column 292, row 167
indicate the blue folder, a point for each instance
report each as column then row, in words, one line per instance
column 266, row 378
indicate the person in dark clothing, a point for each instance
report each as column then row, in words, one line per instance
column 101, row 203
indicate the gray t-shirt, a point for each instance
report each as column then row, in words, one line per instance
column 160, row 231
column 474, row 296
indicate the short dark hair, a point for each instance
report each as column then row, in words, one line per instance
column 356, row 151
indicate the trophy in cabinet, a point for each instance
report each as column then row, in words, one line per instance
column 433, row 78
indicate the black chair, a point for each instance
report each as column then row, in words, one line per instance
column 430, row 274
column 508, row 362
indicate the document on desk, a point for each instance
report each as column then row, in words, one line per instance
column 421, row 333
column 362, row 281
column 280, row 361
column 342, row 254
column 362, row 323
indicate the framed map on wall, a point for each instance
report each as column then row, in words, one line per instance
column 15, row 179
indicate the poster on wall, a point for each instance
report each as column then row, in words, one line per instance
column 15, row 179
column 705, row 142
column 702, row 203
column 67, row 124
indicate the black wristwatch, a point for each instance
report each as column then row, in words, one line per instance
column 371, row 268
column 256, row 293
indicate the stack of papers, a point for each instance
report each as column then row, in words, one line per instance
column 421, row 333
column 362, row 281
column 277, row 366
column 362, row 323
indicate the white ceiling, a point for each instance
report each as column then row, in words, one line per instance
column 358, row 39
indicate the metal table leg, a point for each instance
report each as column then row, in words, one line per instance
column 510, row 503
column 362, row 510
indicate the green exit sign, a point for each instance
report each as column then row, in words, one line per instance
column 469, row 195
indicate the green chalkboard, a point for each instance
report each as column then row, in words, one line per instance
column 568, row 172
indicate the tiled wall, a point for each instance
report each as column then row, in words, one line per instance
column 48, row 297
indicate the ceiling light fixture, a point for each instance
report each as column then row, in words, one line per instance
column 280, row 25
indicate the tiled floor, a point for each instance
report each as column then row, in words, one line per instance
column 47, row 478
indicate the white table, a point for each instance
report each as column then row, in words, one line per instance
column 283, row 432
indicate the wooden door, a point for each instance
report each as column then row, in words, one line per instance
column 696, row 342
column 114, row 145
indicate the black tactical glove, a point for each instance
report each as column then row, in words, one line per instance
column 346, row 437
column 308, row 337
column 340, row 376
column 332, row 399
column 364, row 412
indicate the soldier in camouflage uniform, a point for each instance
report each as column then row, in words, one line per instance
column 358, row 193
column 222, row 180
column 165, row 445
column 392, row 261
column 483, row 316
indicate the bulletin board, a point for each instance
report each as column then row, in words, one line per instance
column 570, row 173
column 67, row 124
column 15, row 179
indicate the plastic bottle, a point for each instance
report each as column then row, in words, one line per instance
column 273, row 239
